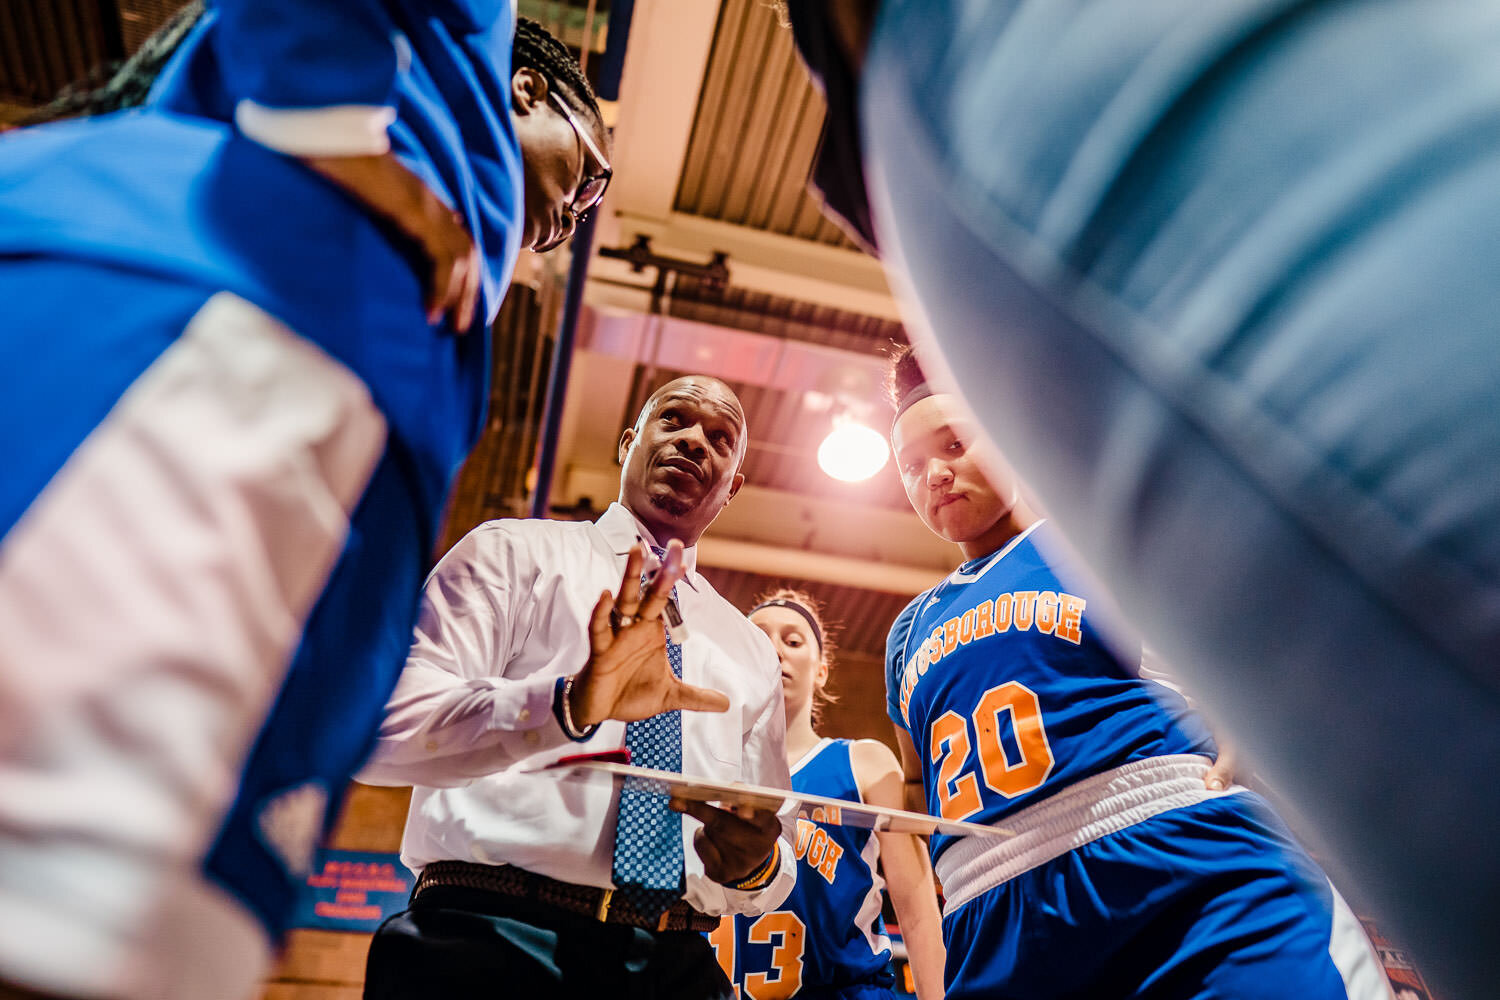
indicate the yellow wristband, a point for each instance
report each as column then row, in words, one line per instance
column 762, row 876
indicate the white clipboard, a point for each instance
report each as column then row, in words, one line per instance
column 819, row 808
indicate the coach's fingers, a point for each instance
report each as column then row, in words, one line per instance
column 719, row 821
column 672, row 570
column 740, row 843
column 628, row 603
column 764, row 820
column 700, row 811
column 601, row 634
column 690, row 698
column 709, row 854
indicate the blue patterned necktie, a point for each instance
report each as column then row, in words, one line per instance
column 647, row 866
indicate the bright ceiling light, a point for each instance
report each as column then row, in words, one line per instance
column 852, row 452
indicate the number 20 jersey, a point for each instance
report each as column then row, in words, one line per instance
column 1010, row 694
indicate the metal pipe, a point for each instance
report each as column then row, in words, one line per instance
column 562, row 365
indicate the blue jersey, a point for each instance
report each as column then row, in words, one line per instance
column 829, row 932
column 443, row 67
column 1010, row 694
column 125, row 225
column 1128, row 877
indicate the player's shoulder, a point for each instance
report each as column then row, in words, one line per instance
column 895, row 638
column 909, row 613
column 873, row 753
column 876, row 772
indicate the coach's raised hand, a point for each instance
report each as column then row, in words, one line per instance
column 627, row 676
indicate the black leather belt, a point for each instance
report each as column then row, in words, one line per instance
column 586, row 900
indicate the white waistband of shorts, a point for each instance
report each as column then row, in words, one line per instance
column 1079, row 814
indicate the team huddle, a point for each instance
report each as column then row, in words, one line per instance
column 245, row 293
column 1129, row 872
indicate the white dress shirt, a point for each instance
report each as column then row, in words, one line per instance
column 503, row 616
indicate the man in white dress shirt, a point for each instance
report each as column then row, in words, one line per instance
column 529, row 883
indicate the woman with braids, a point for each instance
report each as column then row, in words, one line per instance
column 1135, row 869
column 828, row 938
column 238, row 388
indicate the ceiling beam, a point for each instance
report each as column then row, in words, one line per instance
column 761, row 261
column 670, row 41
column 820, row 567
column 668, row 53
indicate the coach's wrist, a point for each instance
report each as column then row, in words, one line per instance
column 761, row 875
column 565, row 708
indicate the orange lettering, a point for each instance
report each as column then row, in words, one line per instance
column 1002, row 612
column 1046, row 612
column 983, row 627
column 817, row 849
column 785, row 931
column 829, row 868
column 1025, row 607
column 805, row 830
column 1070, row 617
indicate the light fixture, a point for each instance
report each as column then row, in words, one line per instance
column 852, row 452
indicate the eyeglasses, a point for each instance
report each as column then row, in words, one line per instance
column 591, row 186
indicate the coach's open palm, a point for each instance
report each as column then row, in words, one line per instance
column 627, row 676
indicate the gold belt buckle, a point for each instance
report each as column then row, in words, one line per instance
column 603, row 912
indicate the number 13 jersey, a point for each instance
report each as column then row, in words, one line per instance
column 828, row 935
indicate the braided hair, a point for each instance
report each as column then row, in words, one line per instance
column 117, row 85
column 536, row 48
column 903, row 374
column 127, row 84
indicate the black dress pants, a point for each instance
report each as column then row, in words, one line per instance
column 455, row 943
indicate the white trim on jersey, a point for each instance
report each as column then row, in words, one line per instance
column 1354, row 956
column 807, row 758
column 870, row 906
column 957, row 576
column 1081, row 813
column 151, row 599
column 344, row 130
